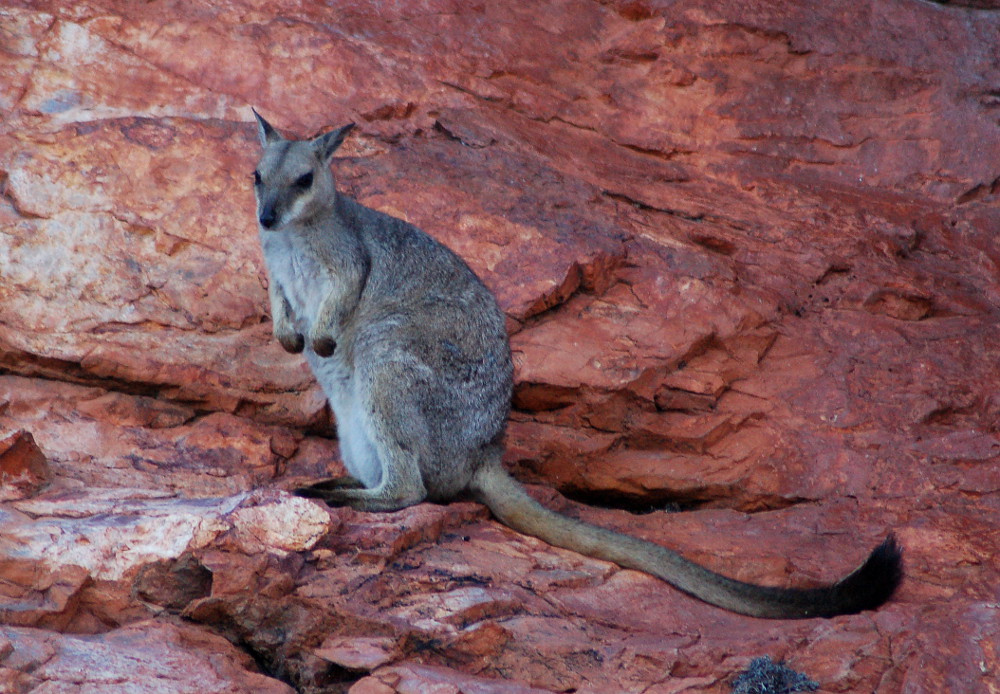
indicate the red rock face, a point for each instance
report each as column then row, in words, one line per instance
column 748, row 255
column 23, row 468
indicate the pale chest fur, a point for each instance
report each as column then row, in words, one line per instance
column 302, row 277
column 305, row 284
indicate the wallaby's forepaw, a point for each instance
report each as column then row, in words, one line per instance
column 324, row 346
column 292, row 342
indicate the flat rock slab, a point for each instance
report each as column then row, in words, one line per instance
column 148, row 657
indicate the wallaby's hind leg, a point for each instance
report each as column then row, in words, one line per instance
column 401, row 485
column 395, row 428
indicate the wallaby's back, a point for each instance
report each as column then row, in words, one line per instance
column 423, row 302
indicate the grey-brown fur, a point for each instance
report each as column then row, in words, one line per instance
column 412, row 352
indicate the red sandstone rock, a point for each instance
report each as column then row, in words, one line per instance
column 155, row 657
column 416, row 679
column 23, row 468
column 748, row 256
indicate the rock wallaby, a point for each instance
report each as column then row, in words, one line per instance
column 411, row 349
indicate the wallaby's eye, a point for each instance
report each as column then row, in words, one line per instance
column 256, row 178
column 304, row 181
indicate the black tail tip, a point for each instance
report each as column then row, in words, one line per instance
column 887, row 561
column 875, row 581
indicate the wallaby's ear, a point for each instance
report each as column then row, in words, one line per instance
column 265, row 131
column 326, row 144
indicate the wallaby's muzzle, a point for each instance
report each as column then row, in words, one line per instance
column 268, row 216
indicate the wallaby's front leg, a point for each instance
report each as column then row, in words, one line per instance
column 281, row 320
column 337, row 305
column 327, row 325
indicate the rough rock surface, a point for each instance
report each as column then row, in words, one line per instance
column 153, row 657
column 748, row 254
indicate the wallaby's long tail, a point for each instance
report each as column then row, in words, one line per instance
column 867, row 587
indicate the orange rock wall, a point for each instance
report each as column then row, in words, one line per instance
column 748, row 254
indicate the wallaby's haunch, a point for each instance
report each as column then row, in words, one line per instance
column 412, row 352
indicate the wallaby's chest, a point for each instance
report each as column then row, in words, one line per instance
column 304, row 279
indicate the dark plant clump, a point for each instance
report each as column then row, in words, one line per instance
column 764, row 676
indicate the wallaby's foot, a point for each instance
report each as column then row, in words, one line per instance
column 291, row 342
column 313, row 490
column 324, row 346
column 361, row 499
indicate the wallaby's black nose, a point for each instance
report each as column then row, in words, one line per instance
column 267, row 218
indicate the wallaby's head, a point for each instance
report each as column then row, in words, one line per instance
column 293, row 182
